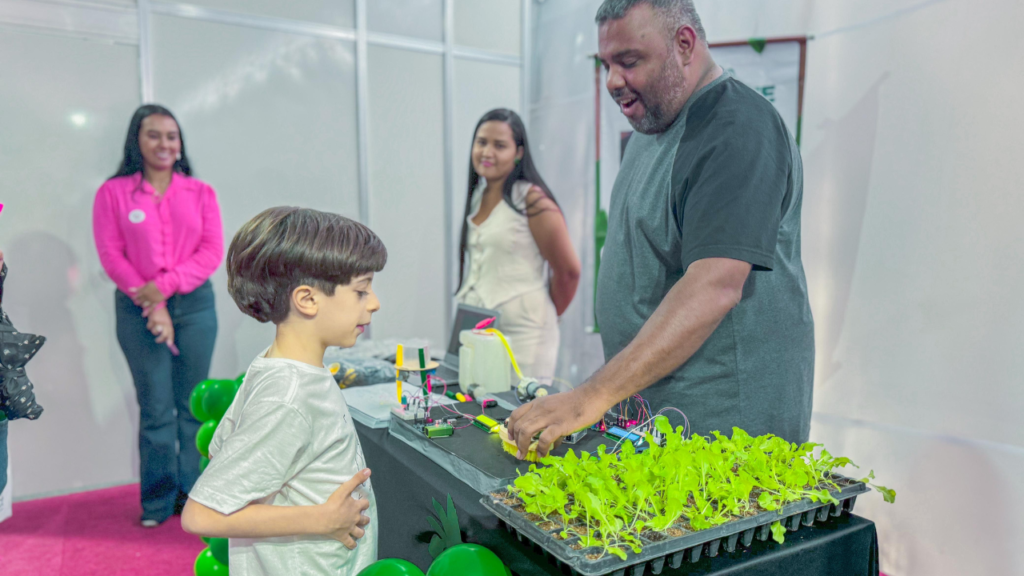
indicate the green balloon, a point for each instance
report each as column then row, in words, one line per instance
column 217, row 398
column 466, row 560
column 219, row 548
column 195, row 401
column 204, row 435
column 207, row 565
column 391, row 567
column 203, row 463
column 205, row 539
column 240, row 378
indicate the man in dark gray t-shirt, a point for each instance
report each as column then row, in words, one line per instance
column 701, row 297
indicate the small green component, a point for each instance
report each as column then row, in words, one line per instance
column 438, row 430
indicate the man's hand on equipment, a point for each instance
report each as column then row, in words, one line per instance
column 557, row 415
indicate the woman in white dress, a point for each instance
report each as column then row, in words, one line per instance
column 515, row 254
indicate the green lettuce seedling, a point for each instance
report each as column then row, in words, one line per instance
column 610, row 500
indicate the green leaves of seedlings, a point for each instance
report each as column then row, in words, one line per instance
column 611, row 500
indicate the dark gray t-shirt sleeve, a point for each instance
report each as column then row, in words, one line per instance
column 729, row 200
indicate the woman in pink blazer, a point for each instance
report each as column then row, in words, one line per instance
column 159, row 236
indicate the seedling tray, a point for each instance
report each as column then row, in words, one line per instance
column 671, row 550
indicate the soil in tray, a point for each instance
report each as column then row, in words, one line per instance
column 533, row 517
column 505, row 498
column 554, row 522
column 666, row 534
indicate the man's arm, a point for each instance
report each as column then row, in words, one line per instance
column 686, row 317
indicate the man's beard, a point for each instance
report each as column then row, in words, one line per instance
column 666, row 92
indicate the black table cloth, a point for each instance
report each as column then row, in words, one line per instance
column 405, row 481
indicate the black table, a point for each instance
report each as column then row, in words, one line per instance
column 405, row 481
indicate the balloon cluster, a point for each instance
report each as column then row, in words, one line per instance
column 213, row 560
column 460, row 560
column 209, row 401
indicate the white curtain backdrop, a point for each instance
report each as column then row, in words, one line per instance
column 911, row 237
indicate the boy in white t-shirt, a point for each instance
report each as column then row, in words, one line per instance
column 287, row 482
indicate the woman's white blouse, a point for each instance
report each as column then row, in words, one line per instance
column 502, row 258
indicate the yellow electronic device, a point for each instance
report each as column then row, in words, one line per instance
column 486, row 423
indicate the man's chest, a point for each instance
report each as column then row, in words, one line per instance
column 644, row 216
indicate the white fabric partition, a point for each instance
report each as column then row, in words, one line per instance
column 492, row 25
column 911, row 237
column 412, row 18
column 333, row 12
column 269, row 119
column 63, row 132
column 481, row 87
column 407, row 191
column 346, row 106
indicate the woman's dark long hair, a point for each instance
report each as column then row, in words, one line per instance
column 523, row 170
column 132, row 162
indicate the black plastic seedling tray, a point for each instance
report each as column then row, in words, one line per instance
column 672, row 550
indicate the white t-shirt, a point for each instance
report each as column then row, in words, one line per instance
column 287, row 440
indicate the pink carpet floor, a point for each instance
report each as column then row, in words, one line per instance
column 93, row 533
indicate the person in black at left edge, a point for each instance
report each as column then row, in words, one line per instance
column 17, row 399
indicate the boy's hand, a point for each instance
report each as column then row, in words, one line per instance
column 343, row 517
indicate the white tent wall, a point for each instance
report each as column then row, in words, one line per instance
column 910, row 238
column 910, row 218
column 269, row 98
column 62, row 135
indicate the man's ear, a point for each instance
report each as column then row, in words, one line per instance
column 304, row 300
column 686, row 42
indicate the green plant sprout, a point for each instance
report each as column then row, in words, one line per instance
column 609, row 500
column 446, row 526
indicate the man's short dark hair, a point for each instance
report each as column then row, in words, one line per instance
column 286, row 247
column 677, row 13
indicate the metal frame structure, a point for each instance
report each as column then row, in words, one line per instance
column 19, row 14
column 448, row 88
